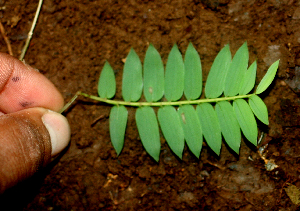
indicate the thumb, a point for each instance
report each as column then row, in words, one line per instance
column 28, row 140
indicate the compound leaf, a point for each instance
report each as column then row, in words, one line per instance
column 246, row 120
column 259, row 108
column 268, row 78
column 249, row 79
column 229, row 125
column 171, row 128
column 132, row 82
column 191, row 128
column 193, row 74
column 107, row 82
column 148, row 130
column 236, row 71
column 153, row 75
column 117, row 126
column 174, row 76
column 215, row 82
column 210, row 126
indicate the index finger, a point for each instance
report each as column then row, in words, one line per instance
column 23, row 87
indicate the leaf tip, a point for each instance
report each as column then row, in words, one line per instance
column 156, row 158
column 237, row 151
column 151, row 45
column 190, row 44
column 175, row 46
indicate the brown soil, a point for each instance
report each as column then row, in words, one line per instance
column 71, row 42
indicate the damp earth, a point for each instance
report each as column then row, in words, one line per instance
column 70, row 45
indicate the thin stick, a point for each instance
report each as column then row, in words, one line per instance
column 31, row 30
column 6, row 39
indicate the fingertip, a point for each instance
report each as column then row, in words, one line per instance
column 59, row 130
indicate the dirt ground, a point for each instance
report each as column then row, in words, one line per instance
column 70, row 44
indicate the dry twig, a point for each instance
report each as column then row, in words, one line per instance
column 6, row 39
column 31, row 30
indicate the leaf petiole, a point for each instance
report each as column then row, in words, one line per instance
column 69, row 103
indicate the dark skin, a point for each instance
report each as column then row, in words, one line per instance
column 30, row 134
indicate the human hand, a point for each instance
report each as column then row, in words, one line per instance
column 30, row 134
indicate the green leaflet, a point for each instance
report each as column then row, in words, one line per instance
column 210, row 126
column 249, row 79
column 246, row 120
column 117, row 126
column 215, row 82
column 174, row 76
column 236, row 71
column 107, row 82
column 191, row 128
column 171, row 128
column 193, row 74
column 148, row 130
column 153, row 75
column 229, row 125
column 259, row 108
column 268, row 78
column 132, row 83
